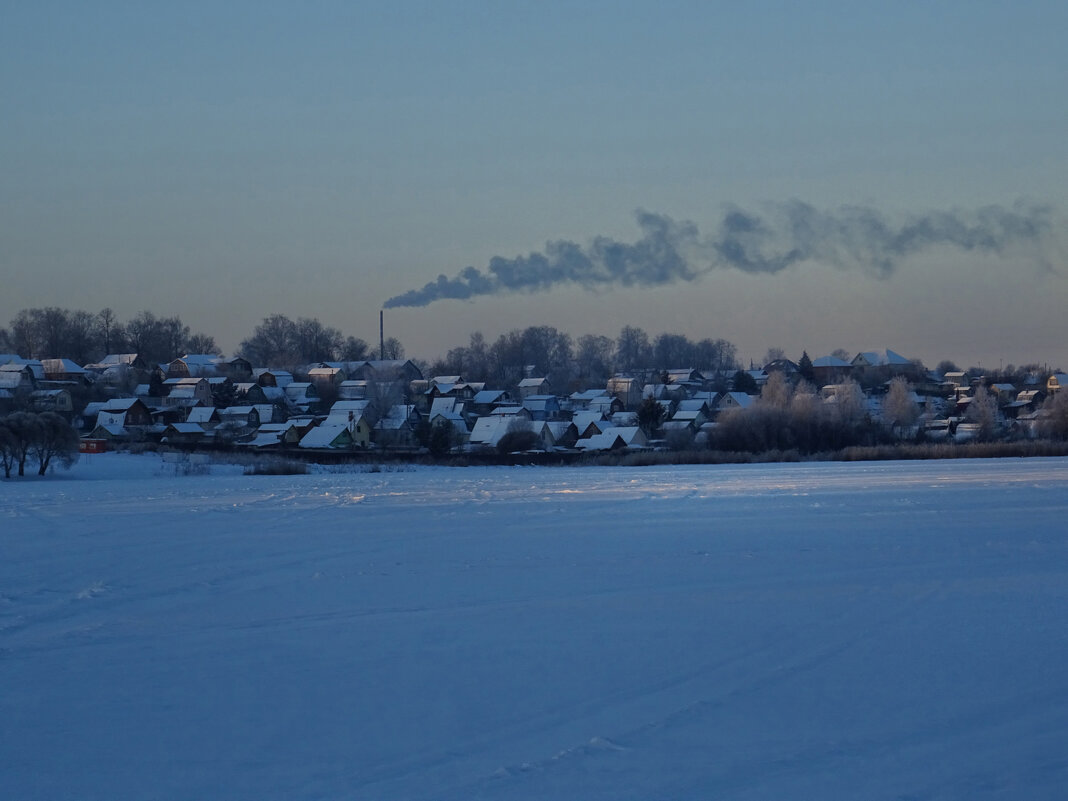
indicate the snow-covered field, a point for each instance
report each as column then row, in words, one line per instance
column 820, row 631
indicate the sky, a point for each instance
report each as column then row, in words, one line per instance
column 227, row 161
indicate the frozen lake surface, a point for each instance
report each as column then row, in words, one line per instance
column 891, row 630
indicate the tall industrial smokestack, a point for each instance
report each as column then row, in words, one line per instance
column 381, row 335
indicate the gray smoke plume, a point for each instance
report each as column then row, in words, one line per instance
column 785, row 234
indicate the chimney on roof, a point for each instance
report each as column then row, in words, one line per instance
column 381, row 335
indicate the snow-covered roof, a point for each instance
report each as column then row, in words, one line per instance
column 186, row 428
column 602, row 403
column 489, row 396
column 113, row 359
column 489, row 430
column 326, row 435
column 875, row 358
column 739, row 399
column 120, row 404
column 687, row 415
column 54, row 366
column 349, row 406
column 281, row 377
column 201, row 414
column 510, row 410
column 231, row 411
column 111, row 418
column 605, row 441
column 830, row 361
column 588, row 395
column 582, row 420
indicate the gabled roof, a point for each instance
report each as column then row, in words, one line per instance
column 489, row 430
column 202, row 414
column 687, row 415
column 605, row 441
column 583, row 420
column 739, row 399
column 693, row 405
column 589, row 395
column 186, row 428
column 874, row 358
column 487, row 396
column 341, row 410
column 238, row 411
column 281, row 377
column 54, row 366
column 510, row 410
column 120, row 404
column 327, row 436
column 398, row 417
column 113, row 359
column 830, row 361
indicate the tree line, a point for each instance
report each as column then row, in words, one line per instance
column 280, row 341
column 86, row 337
column 590, row 360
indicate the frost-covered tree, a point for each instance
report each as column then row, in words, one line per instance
column 899, row 407
column 1054, row 418
column 777, row 391
column 983, row 412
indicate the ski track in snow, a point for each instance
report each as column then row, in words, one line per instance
column 866, row 630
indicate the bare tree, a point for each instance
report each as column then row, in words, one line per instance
column 271, row 344
column 202, row 343
column 673, row 350
column 717, row 355
column 632, row 349
column 109, row 326
column 773, row 355
column 393, row 348
column 355, row 350
column 8, row 447
column 593, row 357
column 55, row 439
column 23, row 431
column 315, row 342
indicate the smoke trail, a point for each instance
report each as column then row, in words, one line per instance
column 785, row 234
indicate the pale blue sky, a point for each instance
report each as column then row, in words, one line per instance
column 224, row 161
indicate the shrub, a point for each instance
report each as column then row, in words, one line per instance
column 276, row 466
